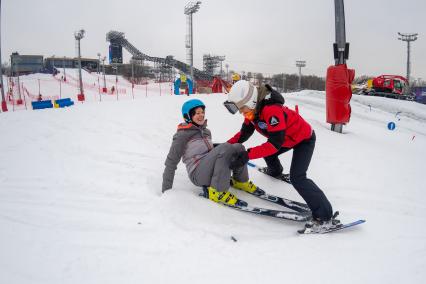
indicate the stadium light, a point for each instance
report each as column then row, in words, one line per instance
column 191, row 8
column 408, row 38
column 300, row 64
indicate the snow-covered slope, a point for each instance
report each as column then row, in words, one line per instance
column 80, row 198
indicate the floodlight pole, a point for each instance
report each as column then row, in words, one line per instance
column 191, row 8
column 116, row 75
column 191, row 46
column 408, row 38
column 300, row 64
column 103, row 70
column 99, row 63
column 3, row 99
column 78, row 36
column 133, row 73
column 63, row 66
column 19, row 82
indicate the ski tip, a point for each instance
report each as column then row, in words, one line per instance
column 360, row 221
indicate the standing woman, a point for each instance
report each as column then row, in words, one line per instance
column 264, row 111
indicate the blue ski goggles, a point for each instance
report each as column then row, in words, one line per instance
column 231, row 107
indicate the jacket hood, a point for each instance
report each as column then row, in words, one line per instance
column 268, row 96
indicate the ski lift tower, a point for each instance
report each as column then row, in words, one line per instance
column 78, row 36
column 190, row 8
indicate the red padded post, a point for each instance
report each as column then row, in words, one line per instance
column 339, row 93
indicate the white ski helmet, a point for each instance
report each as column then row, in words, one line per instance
column 243, row 93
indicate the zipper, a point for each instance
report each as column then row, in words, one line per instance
column 205, row 140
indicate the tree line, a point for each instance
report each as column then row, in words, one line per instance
column 286, row 82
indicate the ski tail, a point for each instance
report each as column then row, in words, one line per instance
column 339, row 227
column 291, row 204
column 282, row 177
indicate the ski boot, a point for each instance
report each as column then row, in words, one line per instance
column 224, row 197
column 247, row 186
column 317, row 226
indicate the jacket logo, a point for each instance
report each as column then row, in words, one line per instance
column 262, row 125
column 273, row 121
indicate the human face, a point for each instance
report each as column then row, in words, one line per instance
column 198, row 117
column 247, row 112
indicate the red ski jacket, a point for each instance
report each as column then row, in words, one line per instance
column 282, row 126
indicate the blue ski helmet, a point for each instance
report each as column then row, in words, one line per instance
column 188, row 106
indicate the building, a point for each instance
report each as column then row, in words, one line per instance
column 89, row 63
column 66, row 62
column 25, row 64
column 59, row 62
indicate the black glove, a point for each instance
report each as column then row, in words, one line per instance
column 239, row 159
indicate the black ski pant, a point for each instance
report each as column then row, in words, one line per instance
column 310, row 192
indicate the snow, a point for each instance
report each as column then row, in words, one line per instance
column 81, row 202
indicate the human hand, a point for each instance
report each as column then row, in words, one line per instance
column 239, row 159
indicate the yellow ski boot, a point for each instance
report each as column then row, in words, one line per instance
column 224, row 197
column 247, row 186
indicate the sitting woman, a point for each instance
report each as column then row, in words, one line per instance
column 207, row 166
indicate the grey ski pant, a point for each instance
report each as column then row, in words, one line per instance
column 213, row 169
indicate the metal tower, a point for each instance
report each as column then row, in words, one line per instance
column 300, row 64
column 211, row 62
column 408, row 38
column 190, row 8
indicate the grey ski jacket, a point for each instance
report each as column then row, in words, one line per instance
column 190, row 143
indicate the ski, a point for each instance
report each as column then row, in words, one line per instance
column 291, row 204
column 282, row 177
column 280, row 214
column 333, row 229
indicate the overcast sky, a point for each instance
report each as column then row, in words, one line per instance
column 260, row 36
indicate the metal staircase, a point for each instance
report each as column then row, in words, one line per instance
column 118, row 38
